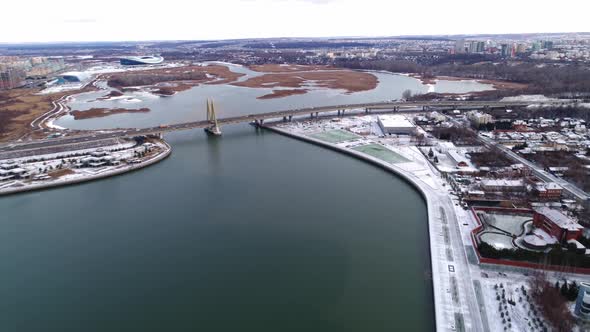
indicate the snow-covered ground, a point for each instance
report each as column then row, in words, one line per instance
column 94, row 71
column 529, row 98
column 49, row 170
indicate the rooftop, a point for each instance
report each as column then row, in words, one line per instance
column 559, row 219
column 501, row 183
column 395, row 121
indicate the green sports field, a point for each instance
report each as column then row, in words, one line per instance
column 334, row 136
column 381, row 152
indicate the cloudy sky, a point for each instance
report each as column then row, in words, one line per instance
column 114, row 20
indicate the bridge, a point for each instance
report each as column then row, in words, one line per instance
column 212, row 123
column 314, row 112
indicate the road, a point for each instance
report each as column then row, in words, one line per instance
column 399, row 106
column 537, row 170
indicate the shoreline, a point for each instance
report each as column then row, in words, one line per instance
column 135, row 167
column 496, row 84
column 436, row 273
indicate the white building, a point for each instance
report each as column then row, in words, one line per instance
column 10, row 170
column 396, row 124
column 502, row 185
column 458, row 158
column 98, row 158
column 479, row 118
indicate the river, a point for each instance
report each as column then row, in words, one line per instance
column 251, row 231
column 232, row 100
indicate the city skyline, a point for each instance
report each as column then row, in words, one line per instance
column 67, row 21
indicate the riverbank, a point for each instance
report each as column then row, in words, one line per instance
column 497, row 84
column 20, row 108
column 444, row 252
column 69, row 177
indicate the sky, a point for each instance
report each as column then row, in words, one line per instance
column 130, row 20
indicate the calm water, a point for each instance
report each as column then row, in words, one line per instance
column 232, row 101
column 250, row 232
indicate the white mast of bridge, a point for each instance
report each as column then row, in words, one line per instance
column 213, row 128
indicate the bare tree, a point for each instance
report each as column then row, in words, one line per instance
column 407, row 94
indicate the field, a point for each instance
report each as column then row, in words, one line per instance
column 335, row 136
column 381, row 152
column 19, row 107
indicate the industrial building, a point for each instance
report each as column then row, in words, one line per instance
column 396, row 125
column 502, row 185
column 141, row 60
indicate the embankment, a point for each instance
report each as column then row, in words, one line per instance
column 59, row 183
column 424, row 192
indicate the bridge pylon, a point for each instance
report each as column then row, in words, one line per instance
column 213, row 128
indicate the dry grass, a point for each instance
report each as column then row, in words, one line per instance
column 283, row 93
column 348, row 80
column 274, row 68
column 60, row 172
column 185, row 77
column 19, row 107
column 102, row 112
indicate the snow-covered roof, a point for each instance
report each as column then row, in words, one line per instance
column 458, row 158
column 81, row 76
column 501, row 183
column 539, row 238
column 559, row 219
column 395, row 121
column 548, row 186
column 577, row 244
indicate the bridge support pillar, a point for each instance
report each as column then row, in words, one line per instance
column 284, row 119
column 338, row 112
column 366, row 110
column 317, row 114
column 311, row 115
column 290, row 118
